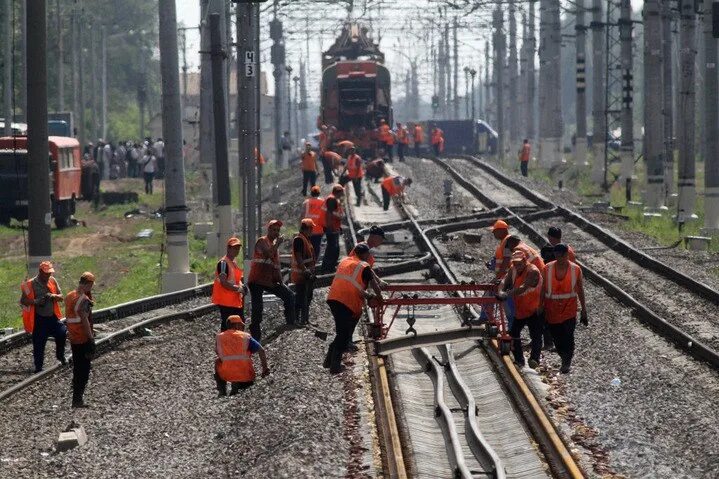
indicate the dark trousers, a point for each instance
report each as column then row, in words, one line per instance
column 148, row 182
column 385, row 199
column 345, row 324
column 563, row 334
column 308, row 177
column 332, row 252
column 316, row 242
column 523, row 167
column 81, row 357
column 303, row 297
column 357, row 183
column 46, row 326
column 132, row 168
column 400, row 151
column 226, row 312
column 388, row 148
column 535, row 325
column 416, row 149
column 327, row 169
column 281, row 291
column 435, row 148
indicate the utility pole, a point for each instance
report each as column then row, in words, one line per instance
column 473, row 73
column 686, row 107
column 551, row 127
column 513, row 79
column 303, row 98
column 24, row 57
column 103, row 79
column 178, row 275
column 455, row 86
column 185, row 68
column 442, row 92
column 60, row 59
column 296, row 81
column 142, row 91
column 39, row 211
column 653, row 93
column 415, row 91
column 668, row 110
column 466, row 92
column 448, row 71
column 531, row 74
column 627, row 118
column 278, row 61
column 599, row 128
column 711, row 122
column 580, row 142
column 522, row 81
column 288, row 83
column 499, row 55
column 92, row 67
column 80, row 21
column 487, row 83
column 7, row 68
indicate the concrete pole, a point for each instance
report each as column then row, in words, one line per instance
column 687, row 107
column 513, row 80
column 531, row 74
column 296, row 109
column 278, row 62
column 627, row 118
column 7, row 68
column 466, row 92
column 653, row 94
column 92, row 70
column 522, row 82
column 580, row 143
column 103, row 80
column 448, row 71
column 711, row 122
column 551, row 127
column 23, row 59
column 487, row 83
column 142, row 93
column 415, row 92
column 80, row 20
column 455, row 85
column 288, row 85
column 39, row 210
column 74, row 60
column 304, row 74
column 185, row 69
column 178, row 275
column 60, row 59
column 442, row 92
column 256, row 112
column 668, row 100
column 599, row 129
column 499, row 55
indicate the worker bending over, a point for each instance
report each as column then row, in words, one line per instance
column 513, row 243
column 523, row 283
column 331, row 218
column 266, row 275
column 331, row 162
column 308, row 164
column 234, row 348
column 355, row 172
column 393, row 187
column 78, row 314
column 562, row 285
column 303, row 270
column 41, row 313
column 346, row 300
column 312, row 209
column 228, row 291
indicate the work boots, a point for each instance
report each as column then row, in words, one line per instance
column 566, row 365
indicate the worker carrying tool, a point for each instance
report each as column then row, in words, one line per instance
column 393, row 186
column 402, row 141
column 331, row 219
column 437, row 141
column 346, row 299
column 562, row 285
column 523, row 283
column 533, row 257
column 355, row 172
column 312, row 209
column 228, row 290
column 303, row 270
column 386, row 139
column 234, row 348
column 78, row 314
column 525, row 154
column 266, row 275
column 418, row 137
column 308, row 164
column 554, row 236
column 41, row 314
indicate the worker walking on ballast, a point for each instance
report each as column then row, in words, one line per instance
column 331, row 219
column 41, row 314
column 393, row 187
column 303, row 270
column 234, row 348
column 525, row 154
column 266, row 275
column 78, row 314
column 308, row 164
column 355, row 172
column 312, row 209
column 562, row 285
column 228, row 291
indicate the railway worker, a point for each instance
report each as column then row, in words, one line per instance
column 554, row 235
column 502, row 255
column 533, row 257
column 402, row 141
column 524, row 154
column 234, row 348
column 266, row 275
column 375, row 169
column 41, row 314
column 393, row 187
column 228, row 291
column 312, row 209
column 386, row 138
column 303, row 270
column 331, row 219
column 330, row 163
column 562, row 285
column 523, row 284
column 346, row 299
column 78, row 311
column 324, row 139
column 355, row 172
column 308, row 164
column 418, row 137
column 437, row 141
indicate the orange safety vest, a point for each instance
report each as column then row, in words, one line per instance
column 234, row 359
column 259, row 158
column 334, row 158
column 437, row 136
column 560, row 297
column 337, row 215
column 223, row 296
column 392, row 185
column 347, row 285
column 308, row 253
column 385, row 134
column 323, row 141
column 309, row 161
column 527, row 303
column 313, row 210
column 499, row 253
column 265, row 271
column 370, row 259
column 524, row 154
column 403, row 136
column 533, row 256
column 75, row 330
column 354, row 167
column 418, row 134
column 28, row 312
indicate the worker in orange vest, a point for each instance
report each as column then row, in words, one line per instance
column 562, row 285
column 312, row 209
column 331, row 219
column 303, row 270
column 234, row 348
column 259, row 158
column 355, row 172
column 523, row 283
column 402, row 141
column 386, row 138
column 41, row 313
column 78, row 314
column 324, row 139
column 266, row 275
column 418, row 138
column 393, row 186
column 330, row 164
column 533, row 256
column 308, row 164
column 524, row 154
column 502, row 255
column 228, row 291
column 437, row 141
column 346, row 299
